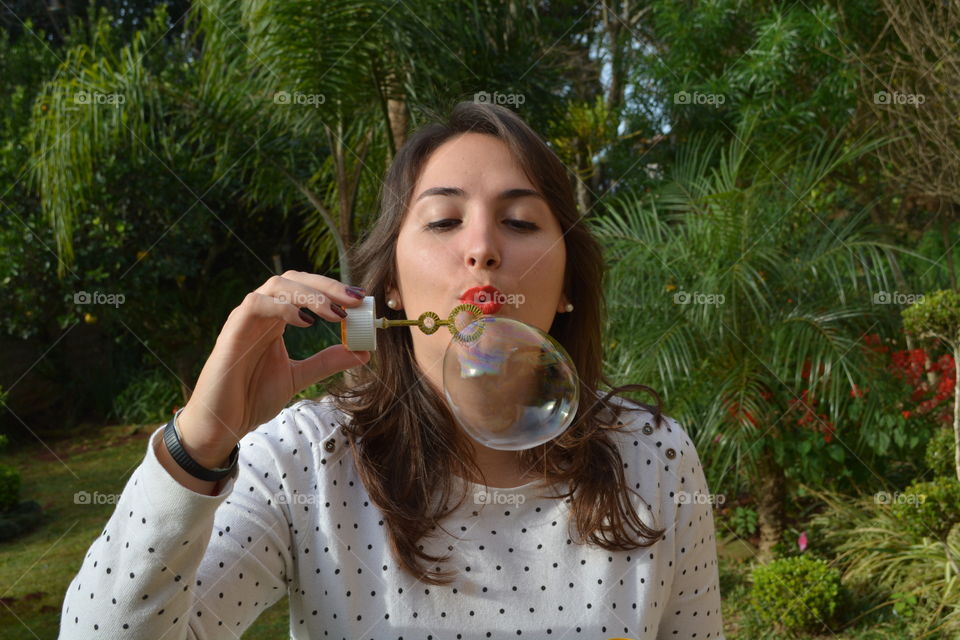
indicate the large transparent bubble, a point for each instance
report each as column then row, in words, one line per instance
column 513, row 387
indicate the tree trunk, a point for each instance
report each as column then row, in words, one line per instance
column 583, row 198
column 770, row 501
column 399, row 121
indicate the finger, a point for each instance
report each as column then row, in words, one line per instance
column 344, row 295
column 324, row 364
column 292, row 293
column 257, row 306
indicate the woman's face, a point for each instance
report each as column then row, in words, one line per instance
column 475, row 220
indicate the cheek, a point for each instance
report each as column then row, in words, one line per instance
column 548, row 264
column 420, row 268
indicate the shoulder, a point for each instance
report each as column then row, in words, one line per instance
column 637, row 424
column 304, row 425
column 648, row 447
column 660, row 463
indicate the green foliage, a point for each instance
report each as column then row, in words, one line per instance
column 743, row 522
column 20, row 519
column 905, row 605
column 937, row 315
column 148, row 398
column 929, row 509
column 9, row 487
column 792, row 63
column 9, row 476
column 881, row 557
column 939, row 455
column 796, row 594
column 700, row 300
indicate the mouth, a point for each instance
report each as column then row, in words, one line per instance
column 488, row 298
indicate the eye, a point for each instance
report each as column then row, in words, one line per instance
column 449, row 223
column 523, row 225
column 442, row 225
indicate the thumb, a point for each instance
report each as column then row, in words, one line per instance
column 324, row 364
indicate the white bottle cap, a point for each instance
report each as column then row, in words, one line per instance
column 357, row 330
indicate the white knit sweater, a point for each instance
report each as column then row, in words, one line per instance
column 296, row 519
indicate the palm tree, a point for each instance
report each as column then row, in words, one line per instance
column 307, row 101
column 746, row 302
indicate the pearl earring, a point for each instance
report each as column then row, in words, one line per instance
column 569, row 307
column 392, row 303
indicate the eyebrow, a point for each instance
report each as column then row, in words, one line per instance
column 509, row 194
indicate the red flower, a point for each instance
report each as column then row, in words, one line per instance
column 734, row 412
column 906, row 414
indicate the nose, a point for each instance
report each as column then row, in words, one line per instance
column 481, row 248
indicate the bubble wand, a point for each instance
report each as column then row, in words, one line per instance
column 358, row 329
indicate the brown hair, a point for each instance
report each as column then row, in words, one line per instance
column 402, row 434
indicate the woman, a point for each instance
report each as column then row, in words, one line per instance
column 371, row 507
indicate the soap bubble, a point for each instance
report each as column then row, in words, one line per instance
column 513, row 387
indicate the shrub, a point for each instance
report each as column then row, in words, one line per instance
column 9, row 479
column 149, row 398
column 880, row 558
column 940, row 453
column 929, row 509
column 9, row 487
column 795, row 594
column 23, row 518
column 743, row 522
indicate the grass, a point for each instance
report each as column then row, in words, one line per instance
column 36, row 569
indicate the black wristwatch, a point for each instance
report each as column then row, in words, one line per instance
column 171, row 437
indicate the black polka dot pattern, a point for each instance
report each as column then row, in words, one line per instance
column 296, row 519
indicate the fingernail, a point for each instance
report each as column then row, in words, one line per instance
column 306, row 317
column 356, row 292
column 337, row 309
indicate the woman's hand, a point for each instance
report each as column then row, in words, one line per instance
column 249, row 377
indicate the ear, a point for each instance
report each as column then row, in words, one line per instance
column 562, row 305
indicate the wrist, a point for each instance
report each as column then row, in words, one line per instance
column 205, row 466
column 206, row 453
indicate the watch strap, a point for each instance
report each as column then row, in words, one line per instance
column 171, row 437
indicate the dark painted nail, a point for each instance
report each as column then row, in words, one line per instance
column 356, row 292
column 337, row 309
column 305, row 316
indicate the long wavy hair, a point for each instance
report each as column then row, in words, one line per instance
column 402, row 434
